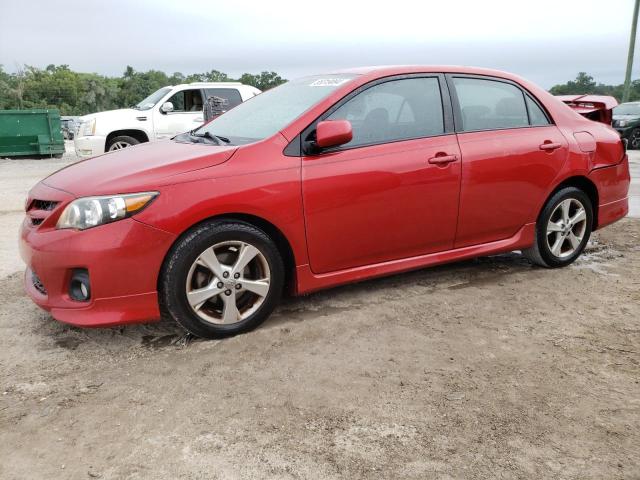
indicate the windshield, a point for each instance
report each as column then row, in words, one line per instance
column 271, row 111
column 152, row 99
column 627, row 109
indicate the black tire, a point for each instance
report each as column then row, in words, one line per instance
column 540, row 252
column 123, row 139
column 634, row 139
column 173, row 277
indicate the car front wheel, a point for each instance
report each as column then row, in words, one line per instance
column 563, row 229
column 221, row 279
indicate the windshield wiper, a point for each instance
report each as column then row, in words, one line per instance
column 216, row 138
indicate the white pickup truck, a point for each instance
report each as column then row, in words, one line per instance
column 163, row 114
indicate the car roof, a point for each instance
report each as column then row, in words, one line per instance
column 210, row 84
column 383, row 70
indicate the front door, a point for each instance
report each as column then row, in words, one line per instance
column 186, row 115
column 392, row 192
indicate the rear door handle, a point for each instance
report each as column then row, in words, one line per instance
column 549, row 146
column 443, row 159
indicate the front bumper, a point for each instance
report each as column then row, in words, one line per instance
column 123, row 260
column 89, row 146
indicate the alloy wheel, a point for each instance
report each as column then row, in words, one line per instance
column 228, row 282
column 118, row 146
column 566, row 228
column 635, row 139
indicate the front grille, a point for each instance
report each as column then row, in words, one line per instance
column 37, row 283
column 38, row 210
column 46, row 205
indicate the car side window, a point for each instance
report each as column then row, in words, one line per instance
column 537, row 117
column 187, row 101
column 394, row 110
column 230, row 96
column 490, row 104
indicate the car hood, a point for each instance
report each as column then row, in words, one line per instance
column 119, row 113
column 138, row 168
column 626, row 117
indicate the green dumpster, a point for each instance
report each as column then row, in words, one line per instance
column 30, row 132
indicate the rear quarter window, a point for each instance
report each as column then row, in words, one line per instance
column 537, row 117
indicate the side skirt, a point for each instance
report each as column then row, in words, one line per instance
column 309, row 281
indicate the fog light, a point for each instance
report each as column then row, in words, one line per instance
column 79, row 287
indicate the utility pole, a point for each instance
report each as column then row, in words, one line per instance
column 632, row 44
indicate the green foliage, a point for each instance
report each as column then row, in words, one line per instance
column 75, row 93
column 585, row 84
column 263, row 81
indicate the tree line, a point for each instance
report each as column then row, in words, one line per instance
column 74, row 93
column 585, row 84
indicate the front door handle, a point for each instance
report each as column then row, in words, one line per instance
column 443, row 159
column 550, row 146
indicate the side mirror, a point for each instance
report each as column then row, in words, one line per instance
column 167, row 107
column 332, row 133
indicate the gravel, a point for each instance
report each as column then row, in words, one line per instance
column 483, row 369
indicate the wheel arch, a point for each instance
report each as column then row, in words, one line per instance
column 139, row 135
column 582, row 183
column 282, row 243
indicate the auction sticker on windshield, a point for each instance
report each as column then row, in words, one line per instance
column 328, row 82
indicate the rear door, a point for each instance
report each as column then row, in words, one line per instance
column 383, row 196
column 511, row 152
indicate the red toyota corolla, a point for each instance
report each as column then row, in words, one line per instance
column 325, row 180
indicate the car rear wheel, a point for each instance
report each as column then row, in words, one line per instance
column 634, row 139
column 221, row 279
column 124, row 141
column 563, row 229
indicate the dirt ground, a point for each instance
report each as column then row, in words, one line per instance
column 482, row 369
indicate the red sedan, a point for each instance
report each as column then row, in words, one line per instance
column 325, row 180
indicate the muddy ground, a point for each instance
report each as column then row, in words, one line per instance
column 483, row 369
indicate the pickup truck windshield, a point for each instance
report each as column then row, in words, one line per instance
column 152, row 99
column 271, row 111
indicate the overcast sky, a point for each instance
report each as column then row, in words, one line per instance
column 548, row 41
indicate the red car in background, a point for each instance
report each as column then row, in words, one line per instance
column 325, row 180
column 598, row 108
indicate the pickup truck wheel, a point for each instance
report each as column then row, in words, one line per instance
column 221, row 278
column 123, row 141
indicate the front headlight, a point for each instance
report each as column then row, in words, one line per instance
column 87, row 128
column 622, row 123
column 90, row 212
